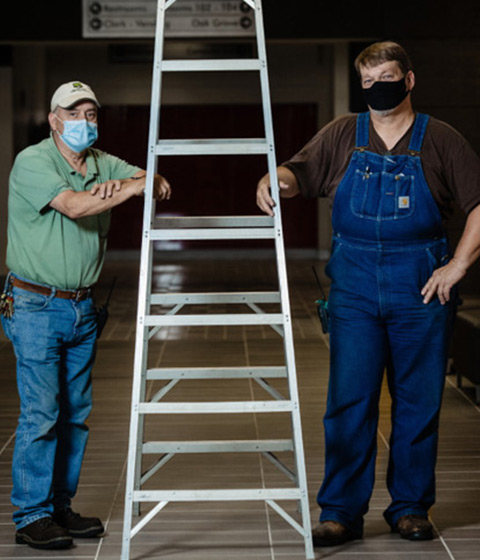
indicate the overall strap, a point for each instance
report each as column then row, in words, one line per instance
column 363, row 122
column 418, row 133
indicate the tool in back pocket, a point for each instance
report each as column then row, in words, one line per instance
column 102, row 311
column 322, row 305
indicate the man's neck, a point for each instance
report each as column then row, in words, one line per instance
column 394, row 125
column 76, row 160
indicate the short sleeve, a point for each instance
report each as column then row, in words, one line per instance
column 310, row 166
column 112, row 167
column 463, row 174
column 36, row 179
column 321, row 163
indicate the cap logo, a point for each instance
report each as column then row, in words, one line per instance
column 72, row 92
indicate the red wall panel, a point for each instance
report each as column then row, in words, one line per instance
column 209, row 185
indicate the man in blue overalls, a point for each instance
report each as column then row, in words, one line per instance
column 391, row 175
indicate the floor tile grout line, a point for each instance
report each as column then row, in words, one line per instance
column 38, row 557
column 326, row 340
column 458, row 389
column 121, row 481
column 7, row 443
column 117, row 491
column 257, row 433
column 442, row 540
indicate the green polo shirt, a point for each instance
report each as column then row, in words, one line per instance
column 44, row 245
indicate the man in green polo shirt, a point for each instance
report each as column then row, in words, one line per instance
column 61, row 192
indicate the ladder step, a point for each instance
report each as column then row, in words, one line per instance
column 223, row 146
column 212, row 65
column 170, row 222
column 224, row 319
column 213, row 227
column 217, row 495
column 234, row 446
column 213, row 234
column 231, row 407
column 165, row 374
column 215, row 297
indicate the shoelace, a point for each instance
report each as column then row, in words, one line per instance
column 69, row 513
column 45, row 522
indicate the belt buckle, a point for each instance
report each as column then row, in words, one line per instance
column 81, row 294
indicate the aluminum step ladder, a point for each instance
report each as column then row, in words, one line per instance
column 148, row 323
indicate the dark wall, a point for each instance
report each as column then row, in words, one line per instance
column 33, row 20
column 372, row 19
column 60, row 20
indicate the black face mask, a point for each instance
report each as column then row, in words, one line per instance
column 383, row 96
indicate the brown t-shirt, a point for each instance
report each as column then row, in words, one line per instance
column 451, row 167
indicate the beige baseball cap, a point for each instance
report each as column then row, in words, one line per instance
column 70, row 93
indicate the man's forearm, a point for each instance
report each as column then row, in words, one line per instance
column 81, row 204
column 288, row 182
column 467, row 252
column 468, row 248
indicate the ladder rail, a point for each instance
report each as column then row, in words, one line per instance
column 299, row 452
column 133, row 477
column 258, row 228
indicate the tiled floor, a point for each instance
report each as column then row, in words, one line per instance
column 236, row 531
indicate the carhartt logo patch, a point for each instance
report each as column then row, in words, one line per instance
column 404, row 202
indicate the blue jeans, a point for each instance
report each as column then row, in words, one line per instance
column 54, row 342
column 378, row 321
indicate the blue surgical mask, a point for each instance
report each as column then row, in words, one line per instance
column 79, row 135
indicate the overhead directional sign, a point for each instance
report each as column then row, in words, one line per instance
column 185, row 18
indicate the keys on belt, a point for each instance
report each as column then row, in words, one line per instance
column 6, row 305
column 76, row 295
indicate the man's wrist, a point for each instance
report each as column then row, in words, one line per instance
column 460, row 263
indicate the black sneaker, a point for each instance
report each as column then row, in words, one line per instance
column 76, row 525
column 44, row 533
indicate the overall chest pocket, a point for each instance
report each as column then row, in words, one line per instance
column 382, row 195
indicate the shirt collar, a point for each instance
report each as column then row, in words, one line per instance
column 91, row 160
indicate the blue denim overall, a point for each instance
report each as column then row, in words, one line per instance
column 387, row 241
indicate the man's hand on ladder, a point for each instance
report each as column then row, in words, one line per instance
column 162, row 189
column 287, row 183
column 264, row 200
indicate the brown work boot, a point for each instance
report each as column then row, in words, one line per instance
column 333, row 533
column 414, row 528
